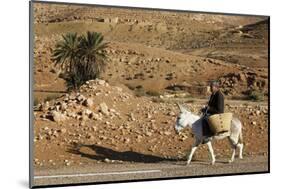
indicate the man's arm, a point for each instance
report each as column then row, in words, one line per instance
column 219, row 105
column 212, row 110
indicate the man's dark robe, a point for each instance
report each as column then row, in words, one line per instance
column 216, row 103
column 215, row 106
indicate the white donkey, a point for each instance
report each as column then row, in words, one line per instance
column 186, row 118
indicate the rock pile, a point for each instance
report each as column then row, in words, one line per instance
column 233, row 82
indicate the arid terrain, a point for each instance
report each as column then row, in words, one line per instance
column 156, row 58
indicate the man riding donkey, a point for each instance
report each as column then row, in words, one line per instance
column 215, row 106
column 214, row 125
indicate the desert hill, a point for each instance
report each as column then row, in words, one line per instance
column 153, row 51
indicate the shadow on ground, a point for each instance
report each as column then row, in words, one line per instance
column 130, row 156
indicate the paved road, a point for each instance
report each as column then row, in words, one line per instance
column 131, row 171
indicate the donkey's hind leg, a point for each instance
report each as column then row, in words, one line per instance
column 232, row 155
column 233, row 146
column 240, row 146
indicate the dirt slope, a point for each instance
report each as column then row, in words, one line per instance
column 156, row 50
column 113, row 117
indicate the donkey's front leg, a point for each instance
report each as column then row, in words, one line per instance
column 193, row 149
column 211, row 152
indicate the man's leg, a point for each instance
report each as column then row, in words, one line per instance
column 206, row 128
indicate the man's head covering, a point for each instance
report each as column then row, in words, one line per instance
column 215, row 83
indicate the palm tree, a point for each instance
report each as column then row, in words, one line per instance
column 81, row 57
column 66, row 52
column 92, row 55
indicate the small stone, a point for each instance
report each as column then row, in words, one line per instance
column 86, row 112
column 57, row 116
column 94, row 128
column 104, row 108
column 63, row 106
column 132, row 117
column 80, row 98
column 126, row 140
column 45, row 106
column 88, row 102
column 84, row 117
column 49, row 132
column 167, row 133
column 101, row 82
column 254, row 123
column 71, row 114
column 46, row 128
column 82, row 124
column 119, row 89
column 106, row 160
column 171, row 114
column 95, row 116
column 148, row 133
column 63, row 130
column 89, row 136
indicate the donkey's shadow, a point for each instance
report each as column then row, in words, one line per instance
column 129, row 156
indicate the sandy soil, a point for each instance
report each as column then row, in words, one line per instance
column 155, row 59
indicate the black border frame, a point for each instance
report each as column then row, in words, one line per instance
column 31, row 40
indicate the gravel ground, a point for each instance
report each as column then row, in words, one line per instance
column 135, row 171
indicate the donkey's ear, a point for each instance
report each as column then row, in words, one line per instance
column 182, row 109
column 186, row 108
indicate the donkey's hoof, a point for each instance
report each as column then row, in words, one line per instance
column 187, row 163
column 230, row 161
column 240, row 157
column 212, row 163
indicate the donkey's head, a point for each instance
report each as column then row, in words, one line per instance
column 182, row 119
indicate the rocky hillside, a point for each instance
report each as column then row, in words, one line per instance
column 99, row 120
column 152, row 51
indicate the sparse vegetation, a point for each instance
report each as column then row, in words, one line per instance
column 140, row 92
column 51, row 97
column 131, row 87
column 153, row 93
column 256, row 95
column 35, row 102
column 81, row 57
column 190, row 101
column 158, row 100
